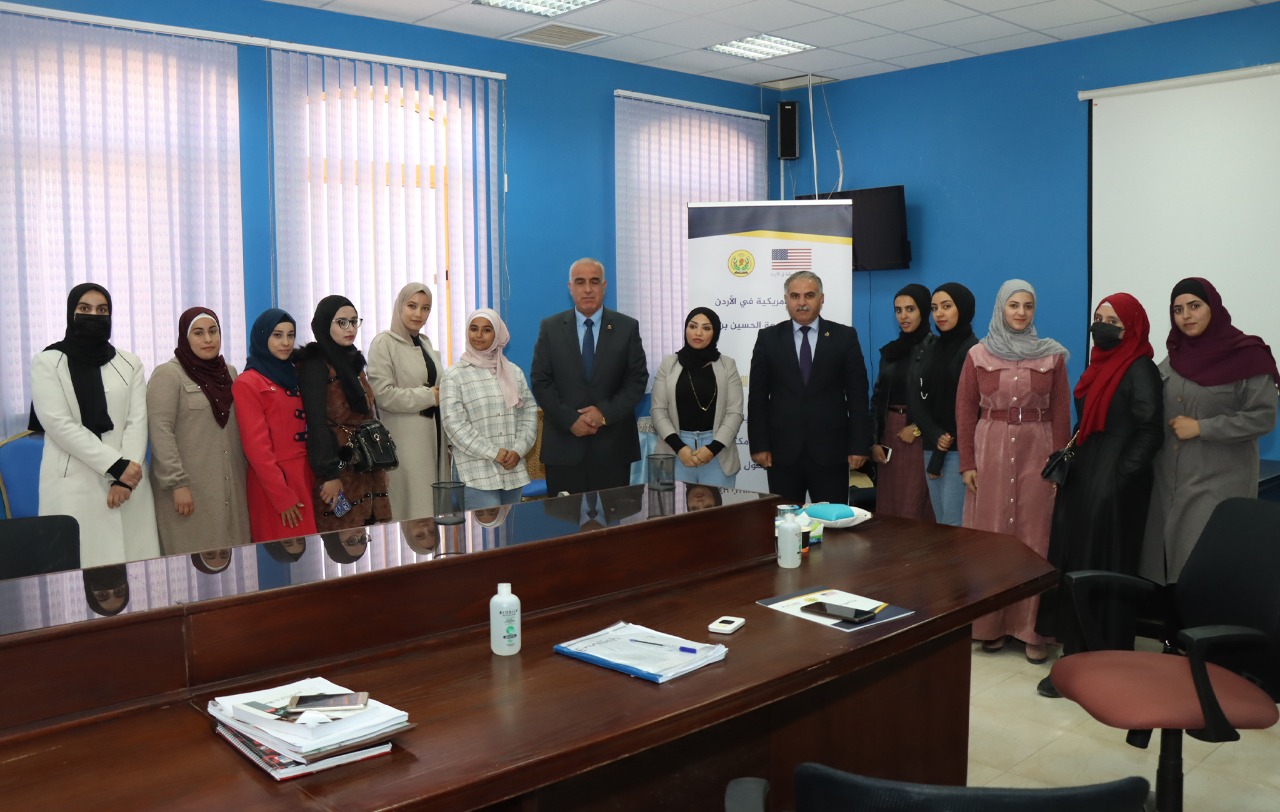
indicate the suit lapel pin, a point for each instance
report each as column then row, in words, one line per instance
column 827, row 334
column 608, row 327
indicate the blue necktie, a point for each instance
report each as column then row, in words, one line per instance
column 588, row 348
column 806, row 355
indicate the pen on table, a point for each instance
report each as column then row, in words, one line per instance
column 685, row 649
column 879, row 609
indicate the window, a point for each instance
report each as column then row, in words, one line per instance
column 384, row 175
column 668, row 155
column 119, row 164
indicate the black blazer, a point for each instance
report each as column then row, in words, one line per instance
column 823, row 422
column 618, row 379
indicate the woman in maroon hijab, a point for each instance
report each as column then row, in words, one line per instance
column 1100, row 512
column 1219, row 398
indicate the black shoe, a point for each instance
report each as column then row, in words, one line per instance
column 1045, row 688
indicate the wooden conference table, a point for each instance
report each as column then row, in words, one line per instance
column 536, row 731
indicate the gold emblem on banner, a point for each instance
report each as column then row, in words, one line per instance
column 741, row 263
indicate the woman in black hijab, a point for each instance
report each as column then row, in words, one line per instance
column 90, row 401
column 336, row 398
column 899, row 455
column 935, row 375
column 697, row 405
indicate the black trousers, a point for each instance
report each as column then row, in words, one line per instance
column 587, row 476
column 827, row 482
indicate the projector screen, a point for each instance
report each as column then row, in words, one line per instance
column 1185, row 181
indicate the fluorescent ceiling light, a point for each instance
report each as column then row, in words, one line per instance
column 761, row 47
column 546, row 8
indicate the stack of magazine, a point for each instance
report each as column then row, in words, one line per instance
column 306, row 726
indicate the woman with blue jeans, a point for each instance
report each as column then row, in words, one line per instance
column 489, row 415
column 697, row 405
column 935, row 372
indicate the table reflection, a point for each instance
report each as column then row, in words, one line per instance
column 68, row 597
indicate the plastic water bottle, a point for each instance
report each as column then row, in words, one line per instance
column 789, row 542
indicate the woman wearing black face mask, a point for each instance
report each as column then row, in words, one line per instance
column 1100, row 513
column 90, row 400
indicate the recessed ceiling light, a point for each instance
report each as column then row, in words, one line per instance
column 546, row 8
column 761, row 47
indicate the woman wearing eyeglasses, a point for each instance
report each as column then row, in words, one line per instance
column 337, row 398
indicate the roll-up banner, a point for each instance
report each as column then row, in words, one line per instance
column 739, row 256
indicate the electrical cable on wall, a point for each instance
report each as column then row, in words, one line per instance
column 836, row 137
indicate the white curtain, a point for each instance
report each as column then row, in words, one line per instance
column 119, row 164
column 665, row 157
column 384, row 175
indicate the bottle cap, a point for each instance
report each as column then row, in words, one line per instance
column 504, row 589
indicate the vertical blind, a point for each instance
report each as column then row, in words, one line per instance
column 665, row 157
column 384, row 175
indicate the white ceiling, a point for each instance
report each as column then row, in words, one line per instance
column 852, row 37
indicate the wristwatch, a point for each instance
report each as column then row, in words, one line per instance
column 915, row 432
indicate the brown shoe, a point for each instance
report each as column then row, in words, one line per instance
column 993, row 646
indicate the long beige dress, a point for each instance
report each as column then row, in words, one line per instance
column 398, row 376
column 190, row 449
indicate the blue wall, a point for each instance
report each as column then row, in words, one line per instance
column 993, row 152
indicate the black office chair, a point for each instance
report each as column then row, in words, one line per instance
column 823, row 789
column 38, row 545
column 1220, row 670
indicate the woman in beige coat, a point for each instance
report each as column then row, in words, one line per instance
column 404, row 372
column 697, row 405
column 198, row 467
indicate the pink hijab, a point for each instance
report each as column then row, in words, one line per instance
column 492, row 359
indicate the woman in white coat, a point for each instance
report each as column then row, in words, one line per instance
column 404, row 372
column 90, row 400
column 697, row 405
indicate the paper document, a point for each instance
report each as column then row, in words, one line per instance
column 793, row 605
column 643, row 652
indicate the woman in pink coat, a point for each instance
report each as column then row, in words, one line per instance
column 1013, row 409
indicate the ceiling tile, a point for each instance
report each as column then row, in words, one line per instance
column 832, row 31
column 905, row 15
column 859, row 71
column 988, row 6
column 752, row 73
column 930, row 58
column 970, row 29
column 483, row 21
column 887, row 47
column 815, row 61
column 308, row 3
column 1142, row 5
column 692, row 7
column 399, row 11
column 767, row 16
column 618, row 17
column 696, row 62
column 1057, row 12
column 698, row 32
column 629, row 49
column 995, row 46
column 1093, row 28
column 845, row 6
column 1182, row 11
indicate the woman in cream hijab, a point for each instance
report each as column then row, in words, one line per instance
column 404, row 372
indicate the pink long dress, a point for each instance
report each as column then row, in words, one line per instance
column 1025, row 416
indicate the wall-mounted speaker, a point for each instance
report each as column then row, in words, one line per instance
column 788, row 130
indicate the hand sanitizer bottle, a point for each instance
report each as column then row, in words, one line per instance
column 504, row 621
column 789, row 536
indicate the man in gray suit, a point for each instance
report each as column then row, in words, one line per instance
column 588, row 374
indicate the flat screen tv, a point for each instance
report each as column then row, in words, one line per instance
column 879, row 227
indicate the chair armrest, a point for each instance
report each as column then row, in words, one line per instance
column 1081, row 585
column 1200, row 641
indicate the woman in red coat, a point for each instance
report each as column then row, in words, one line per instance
column 273, row 430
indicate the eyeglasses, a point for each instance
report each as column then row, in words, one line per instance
column 349, row 323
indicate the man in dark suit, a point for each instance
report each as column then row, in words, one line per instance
column 588, row 374
column 807, row 419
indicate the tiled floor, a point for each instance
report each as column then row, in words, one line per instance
column 1017, row 738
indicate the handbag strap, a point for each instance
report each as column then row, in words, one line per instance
column 1071, row 443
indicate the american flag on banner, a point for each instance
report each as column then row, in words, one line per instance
column 792, row 259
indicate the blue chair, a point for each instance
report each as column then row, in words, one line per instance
column 20, row 474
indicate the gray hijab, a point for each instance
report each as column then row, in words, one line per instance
column 1018, row 345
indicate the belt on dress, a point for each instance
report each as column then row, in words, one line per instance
column 897, row 409
column 1018, row 415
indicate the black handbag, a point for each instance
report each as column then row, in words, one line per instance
column 370, row 448
column 1059, row 463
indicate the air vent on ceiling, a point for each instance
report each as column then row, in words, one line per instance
column 558, row 36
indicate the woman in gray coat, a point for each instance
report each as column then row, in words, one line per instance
column 697, row 405
column 198, row 467
column 1219, row 398
column 404, row 373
